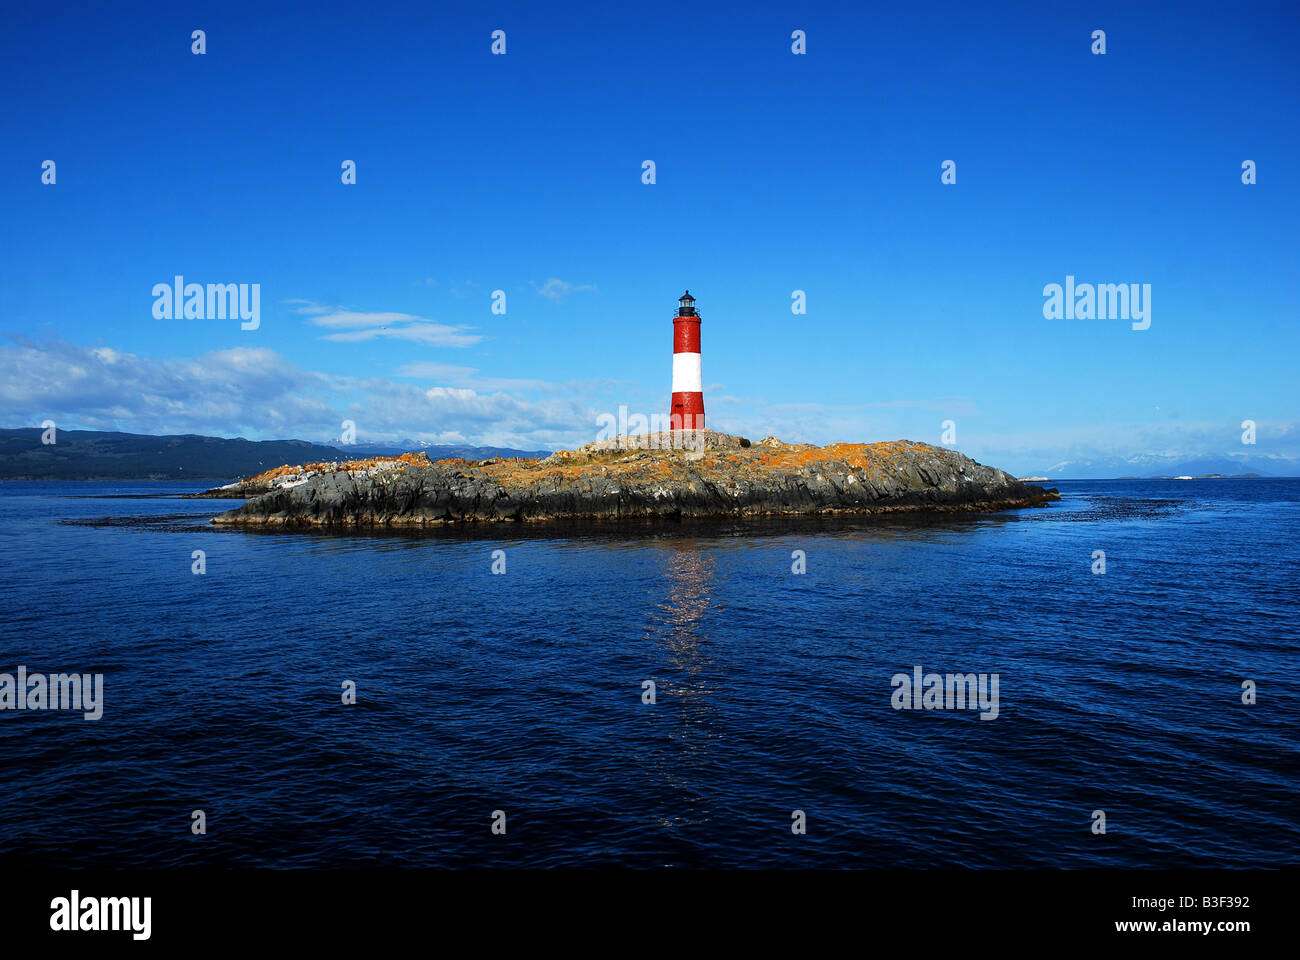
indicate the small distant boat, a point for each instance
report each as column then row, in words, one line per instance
column 1182, row 478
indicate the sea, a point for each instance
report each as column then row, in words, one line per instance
column 658, row 696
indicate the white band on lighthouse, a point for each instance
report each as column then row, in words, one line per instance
column 687, row 377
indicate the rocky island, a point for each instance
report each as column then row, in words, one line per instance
column 651, row 476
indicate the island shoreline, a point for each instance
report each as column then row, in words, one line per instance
column 628, row 479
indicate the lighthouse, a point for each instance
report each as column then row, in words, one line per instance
column 687, row 410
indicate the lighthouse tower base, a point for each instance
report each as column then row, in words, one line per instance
column 687, row 412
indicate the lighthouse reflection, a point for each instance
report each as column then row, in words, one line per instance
column 685, row 691
column 689, row 573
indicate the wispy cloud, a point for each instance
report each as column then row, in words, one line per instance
column 469, row 377
column 431, row 334
column 349, row 319
column 306, row 306
column 556, row 289
column 353, row 326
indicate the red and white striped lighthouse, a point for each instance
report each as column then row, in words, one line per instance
column 687, row 411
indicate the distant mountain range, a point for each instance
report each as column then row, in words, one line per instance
column 1146, row 467
column 97, row 455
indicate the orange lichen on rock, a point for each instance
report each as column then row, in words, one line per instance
column 674, row 464
column 859, row 456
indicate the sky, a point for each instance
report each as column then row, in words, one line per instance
column 775, row 172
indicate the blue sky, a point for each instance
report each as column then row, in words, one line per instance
column 774, row 173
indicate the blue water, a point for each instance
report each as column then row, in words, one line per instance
column 522, row 692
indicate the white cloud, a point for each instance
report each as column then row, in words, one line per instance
column 257, row 393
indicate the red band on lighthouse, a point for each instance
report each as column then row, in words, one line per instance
column 687, row 410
